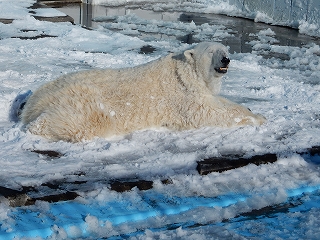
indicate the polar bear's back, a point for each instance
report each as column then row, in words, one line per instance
column 90, row 84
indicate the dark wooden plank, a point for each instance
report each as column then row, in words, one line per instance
column 67, row 196
column 122, row 186
column 34, row 37
column 6, row 21
column 18, row 198
column 15, row 197
column 55, row 19
column 221, row 164
column 48, row 153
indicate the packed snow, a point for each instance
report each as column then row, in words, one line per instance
column 279, row 82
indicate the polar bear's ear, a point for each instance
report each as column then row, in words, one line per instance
column 189, row 54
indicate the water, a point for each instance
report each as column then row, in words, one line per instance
column 239, row 31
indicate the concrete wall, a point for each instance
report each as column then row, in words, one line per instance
column 301, row 14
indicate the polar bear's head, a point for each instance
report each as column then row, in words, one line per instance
column 211, row 61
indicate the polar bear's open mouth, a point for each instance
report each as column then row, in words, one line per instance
column 222, row 69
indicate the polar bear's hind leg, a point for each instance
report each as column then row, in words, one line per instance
column 18, row 105
column 72, row 129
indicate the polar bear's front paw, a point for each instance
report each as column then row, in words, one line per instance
column 255, row 120
column 260, row 119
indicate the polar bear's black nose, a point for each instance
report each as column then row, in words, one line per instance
column 225, row 61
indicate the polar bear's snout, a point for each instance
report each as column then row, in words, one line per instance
column 225, row 64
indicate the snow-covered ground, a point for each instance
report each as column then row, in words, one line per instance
column 280, row 82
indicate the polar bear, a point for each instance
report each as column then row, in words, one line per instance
column 178, row 92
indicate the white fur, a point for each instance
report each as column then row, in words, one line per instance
column 178, row 91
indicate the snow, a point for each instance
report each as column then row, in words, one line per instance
column 48, row 12
column 279, row 82
column 17, row 10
